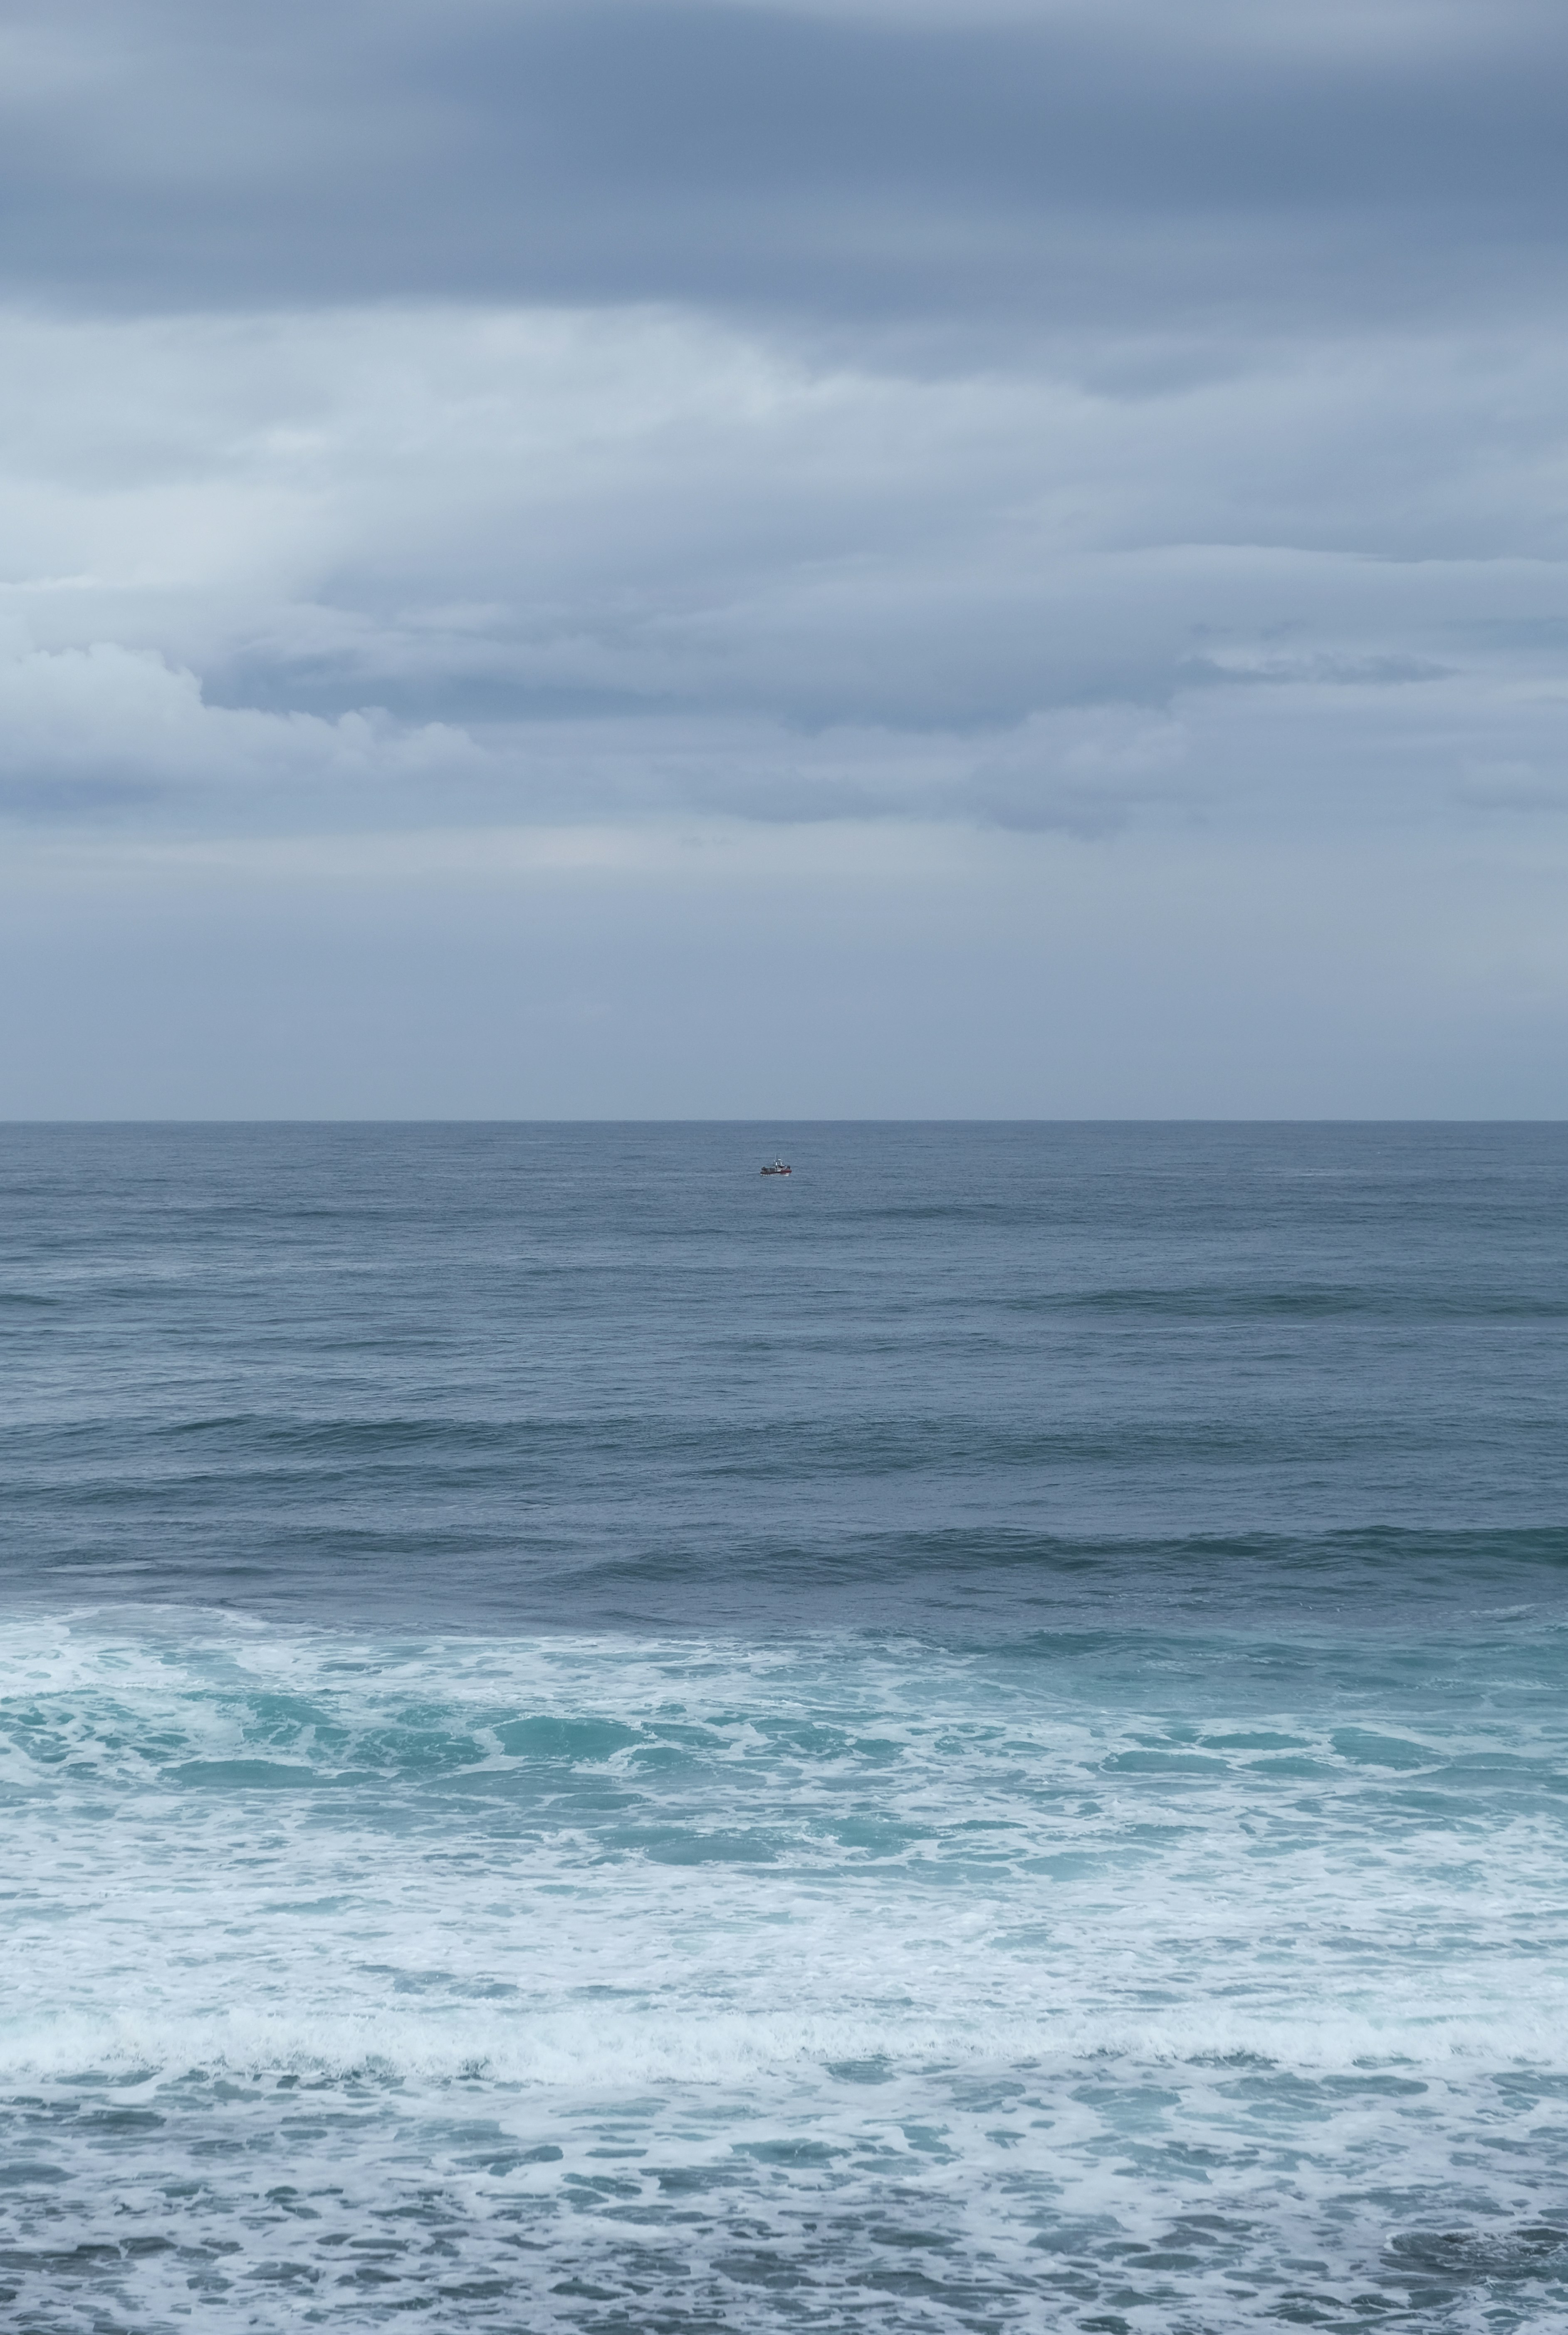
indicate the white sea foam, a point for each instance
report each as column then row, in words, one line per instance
column 835, row 1937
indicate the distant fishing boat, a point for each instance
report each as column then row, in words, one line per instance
column 779, row 1168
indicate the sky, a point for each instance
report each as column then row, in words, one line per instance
column 783, row 558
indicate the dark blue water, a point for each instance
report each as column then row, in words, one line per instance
column 973, row 1738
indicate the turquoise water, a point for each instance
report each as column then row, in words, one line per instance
column 974, row 1739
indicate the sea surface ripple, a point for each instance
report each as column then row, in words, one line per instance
column 974, row 1738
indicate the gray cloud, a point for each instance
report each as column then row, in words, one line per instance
column 1062, row 497
column 1131, row 161
column 487, row 525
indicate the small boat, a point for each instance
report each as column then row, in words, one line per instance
column 779, row 1168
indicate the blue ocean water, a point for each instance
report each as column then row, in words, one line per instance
column 974, row 1738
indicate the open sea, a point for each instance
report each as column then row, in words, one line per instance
column 972, row 1738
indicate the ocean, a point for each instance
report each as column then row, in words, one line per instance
column 972, row 1738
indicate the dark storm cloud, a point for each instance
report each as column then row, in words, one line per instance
column 164, row 154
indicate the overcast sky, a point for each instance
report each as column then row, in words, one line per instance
column 784, row 557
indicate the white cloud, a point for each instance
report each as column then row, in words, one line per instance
column 86, row 730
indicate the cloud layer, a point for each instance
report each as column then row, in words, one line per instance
column 592, row 562
column 1118, row 430
column 937, row 166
